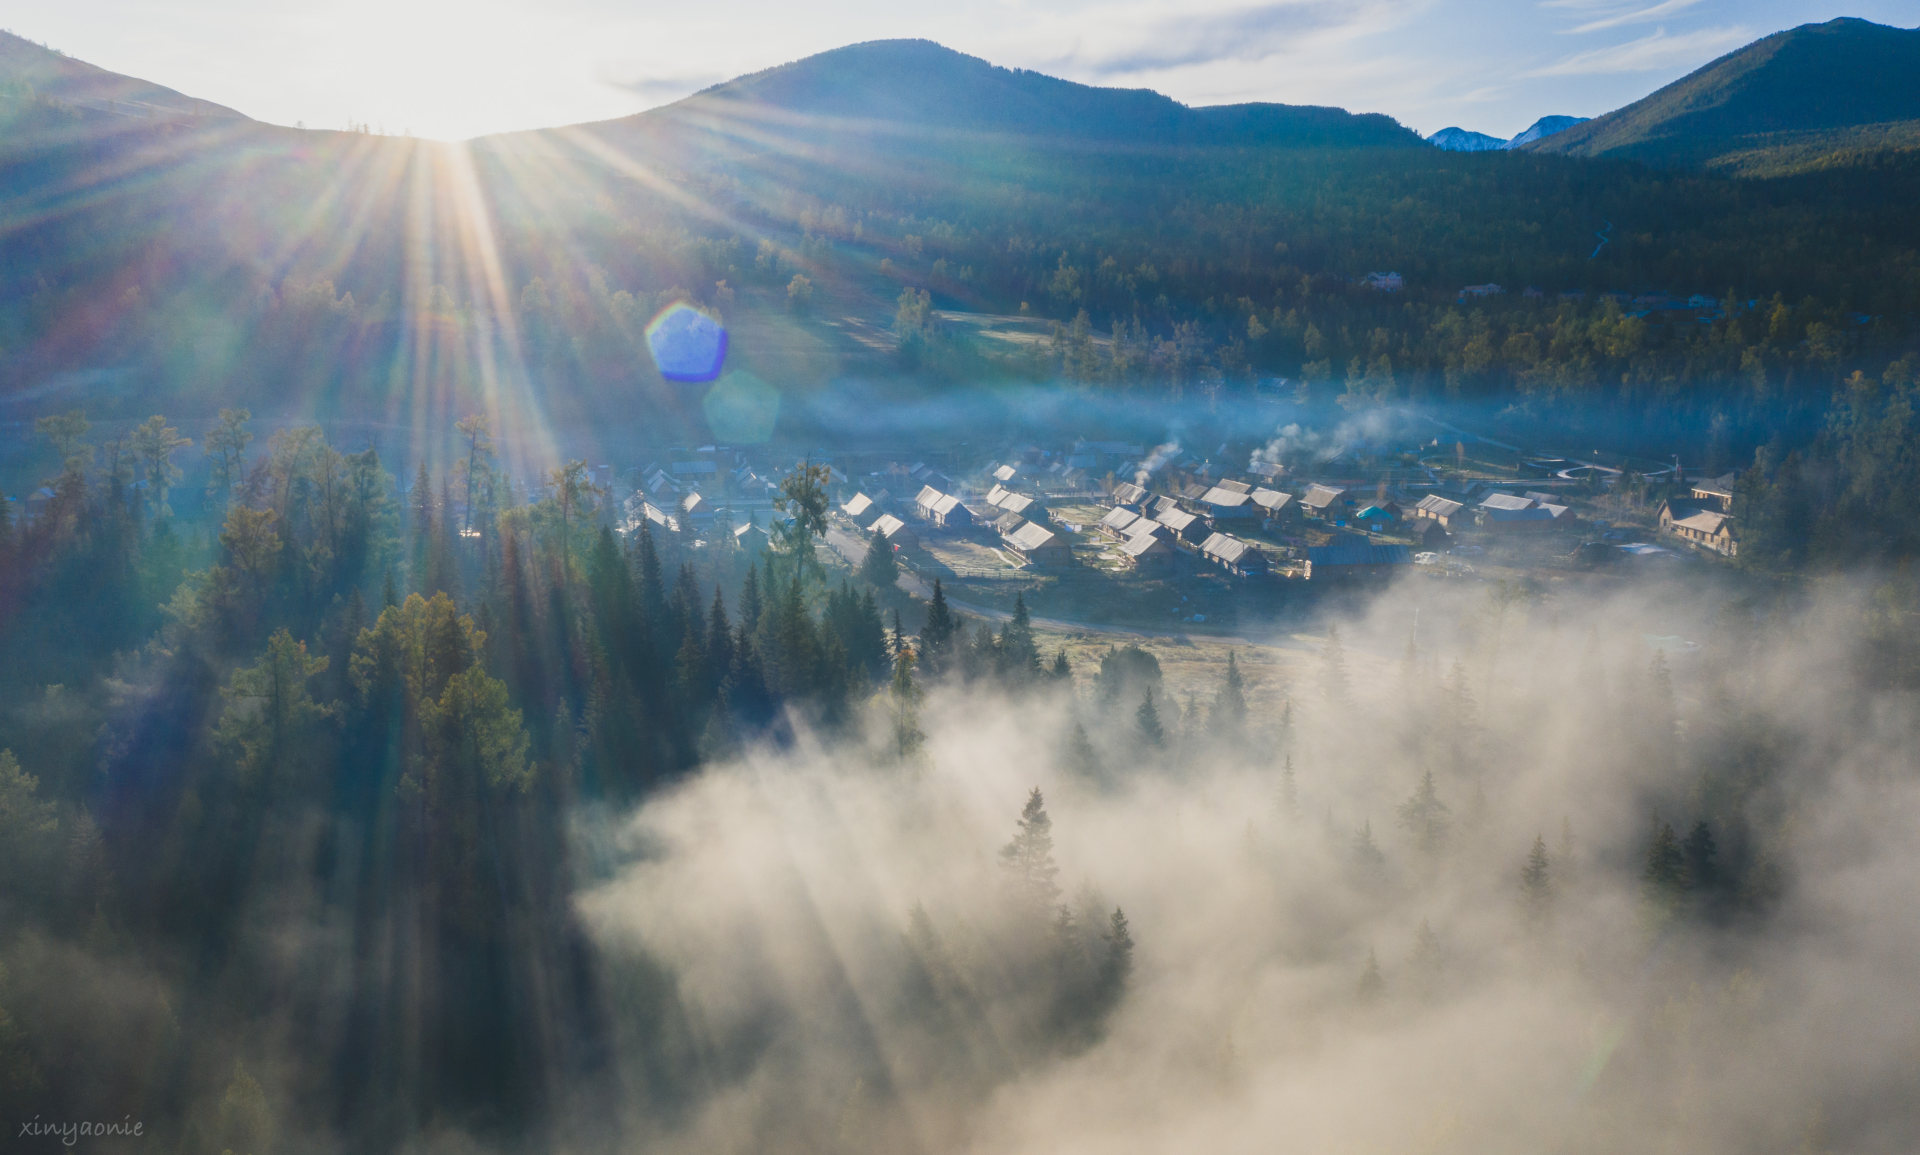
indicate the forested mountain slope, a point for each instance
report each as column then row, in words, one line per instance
column 1811, row 91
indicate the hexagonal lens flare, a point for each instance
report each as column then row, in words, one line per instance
column 687, row 344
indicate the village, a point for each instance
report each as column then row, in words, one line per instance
column 1127, row 532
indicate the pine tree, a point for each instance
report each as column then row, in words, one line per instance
column 1230, row 704
column 477, row 468
column 226, row 448
column 1699, row 851
column 1663, row 881
column 1367, row 859
column 1147, row 721
column 1193, row 727
column 1028, row 859
column 1425, row 816
column 880, row 568
column 271, row 723
column 1289, row 792
column 719, row 641
column 1536, row 884
column 750, row 600
column 1117, row 966
column 1078, row 755
column 905, row 697
column 1019, row 657
column 421, row 504
column 1372, row 984
column 1427, row 961
column 936, row 637
column 1061, row 670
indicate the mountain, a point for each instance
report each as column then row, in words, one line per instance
column 1457, row 139
column 56, row 76
column 899, row 87
column 159, row 253
column 1793, row 100
column 1544, row 127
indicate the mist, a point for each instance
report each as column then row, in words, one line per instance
column 826, row 950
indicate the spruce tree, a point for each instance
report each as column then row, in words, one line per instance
column 1147, row 721
column 1427, row 960
column 1028, row 858
column 1700, row 852
column 1663, row 880
column 750, row 600
column 936, row 637
column 1078, row 755
column 1365, row 853
column 880, row 567
column 1536, row 884
column 1018, row 654
column 719, row 640
column 1425, row 817
column 905, row 695
column 1061, row 670
column 1117, row 966
column 1372, row 984
column 1230, row 704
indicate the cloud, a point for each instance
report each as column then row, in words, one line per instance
column 655, row 87
column 1649, row 53
column 1634, row 16
column 1150, row 40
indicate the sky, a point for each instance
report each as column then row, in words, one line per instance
column 452, row 69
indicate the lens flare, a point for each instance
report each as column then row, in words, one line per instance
column 741, row 409
column 687, row 344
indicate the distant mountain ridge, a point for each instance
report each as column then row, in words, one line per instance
column 1457, row 139
column 919, row 86
column 1840, row 85
column 1545, row 127
column 1460, row 140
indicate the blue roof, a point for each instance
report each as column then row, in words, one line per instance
column 1324, row 555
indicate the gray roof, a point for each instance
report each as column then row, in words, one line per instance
column 1706, row 521
column 1142, row 544
column 1000, row 497
column 1227, row 548
column 1175, row 518
column 1439, row 506
column 1225, row 498
column 1321, row 496
column 1032, row 536
column 1512, row 503
column 1119, row 519
column 858, row 504
column 1270, row 499
column 888, row 525
column 1127, row 493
